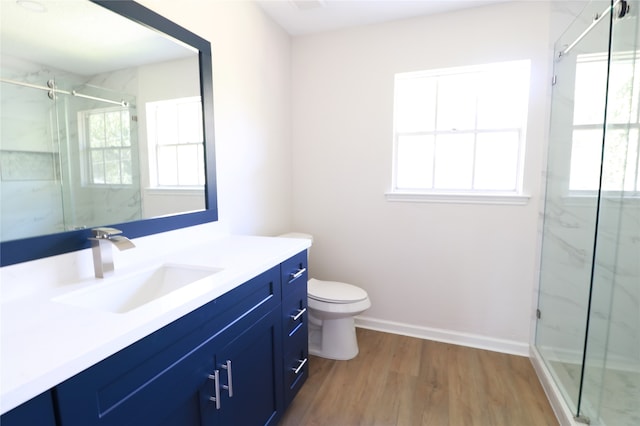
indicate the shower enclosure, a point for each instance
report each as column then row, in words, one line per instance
column 588, row 327
column 68, row 153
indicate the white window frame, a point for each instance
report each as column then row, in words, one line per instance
column 598, row 127
column 513, row 196
column 153, row 148
column 87, row 169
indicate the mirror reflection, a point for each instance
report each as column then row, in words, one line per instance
column 101, row 120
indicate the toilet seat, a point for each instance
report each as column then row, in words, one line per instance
column 334, row 292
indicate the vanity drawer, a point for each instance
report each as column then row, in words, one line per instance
column 295, row 319
column 294, row 313
column 294, row 273
column 296, row 364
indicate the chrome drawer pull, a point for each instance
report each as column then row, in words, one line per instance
column 228, row 387
column 302, row 363
column 216, row 379
column 297, row 274
column 299, row 314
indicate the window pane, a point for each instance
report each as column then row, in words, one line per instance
column 624, row 88
column 113, row 128
column 167, row 166
column 496, row 161
column 190, row 122
column 126, row 166
column 456, row 102
column 96, row 131
column 632, row 159
column 187, row 164
column 503, row 96
column 167, row 124
column 97, row 167
column 112, row 166
column 414, row 155
column 586, row 151
column 201, row 178
column 415, row 104
column 454, row 161
column 620, row 160
column 590, row 91
column 126, row 128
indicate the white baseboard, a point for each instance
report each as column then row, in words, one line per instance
column 446, row 336
column 554, row 395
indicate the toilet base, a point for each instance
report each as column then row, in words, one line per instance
column 335, row 339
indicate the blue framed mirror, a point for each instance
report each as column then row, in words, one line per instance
column 112, row 126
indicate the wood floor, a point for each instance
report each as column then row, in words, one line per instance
column 398, row 380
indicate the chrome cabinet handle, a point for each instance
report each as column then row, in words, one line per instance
column 299, row 314
column 228, row 387
column 297, row 274
column 216, row 380
column 302, row 362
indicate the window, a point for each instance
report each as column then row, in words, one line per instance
column 621, row 168
column 107, row 145
column 176, row 143
column 461, row 130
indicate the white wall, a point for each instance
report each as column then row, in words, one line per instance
column 251, row 66
column 463, row 273
column 251, row 78
column 323, row 104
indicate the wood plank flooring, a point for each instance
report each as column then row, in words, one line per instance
column 398, row 380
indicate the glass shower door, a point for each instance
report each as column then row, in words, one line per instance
column 571, row 202
column 611, row 389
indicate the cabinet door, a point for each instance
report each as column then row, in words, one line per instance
column 250, row 377
column 37, row 411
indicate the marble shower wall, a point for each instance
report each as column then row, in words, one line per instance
column 41, row 181
column 30, row 155
column 569, row 236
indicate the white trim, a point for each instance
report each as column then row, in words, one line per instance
column 475, row 198
column 446, row 336
column 175, row 191
column 520, row 71
column 559, row 406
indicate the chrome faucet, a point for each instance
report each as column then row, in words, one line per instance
column 101, row 241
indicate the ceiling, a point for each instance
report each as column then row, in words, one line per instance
column 299, row 17
column 80, row 37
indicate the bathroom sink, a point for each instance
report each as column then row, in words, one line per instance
column 124, row 294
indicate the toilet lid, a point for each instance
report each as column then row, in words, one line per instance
column 335, row 292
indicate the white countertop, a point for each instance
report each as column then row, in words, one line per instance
column 44, row 342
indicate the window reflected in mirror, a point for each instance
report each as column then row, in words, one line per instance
column 77, row 149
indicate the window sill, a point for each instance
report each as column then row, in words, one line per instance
column 576, row 198
column 453, row 198
column 192, row 191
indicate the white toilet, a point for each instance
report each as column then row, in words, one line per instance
column 332, row 306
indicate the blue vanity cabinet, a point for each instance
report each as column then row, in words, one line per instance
column 163, row 379
column 294, row 276
column 238, row 360
column 249, row 370
column 38, row 411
